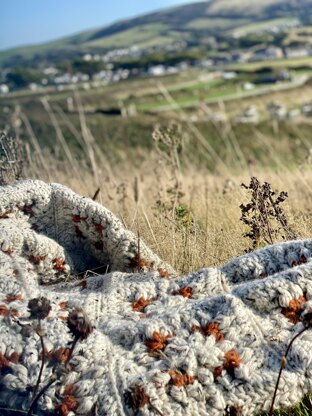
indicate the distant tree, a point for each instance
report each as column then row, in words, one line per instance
column 87, row 67
column 80, row 65
column 20, row 77
column 253, row 39
column 306, row 18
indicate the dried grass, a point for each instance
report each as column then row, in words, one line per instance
column 191, row 220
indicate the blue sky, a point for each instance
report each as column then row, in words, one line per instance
column 24, row 22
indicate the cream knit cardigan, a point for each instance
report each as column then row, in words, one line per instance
column 194, row 345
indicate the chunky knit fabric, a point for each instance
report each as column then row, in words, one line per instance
column 162, row 344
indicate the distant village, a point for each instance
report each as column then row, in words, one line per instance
column 112, row 70
column 58, row 79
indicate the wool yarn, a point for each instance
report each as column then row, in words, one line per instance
column 199, row 344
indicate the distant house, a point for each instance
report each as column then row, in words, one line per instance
column 248, row 86
column 63, row 79
column 306, row 109
column 240, row 57
column 228, row 75
column 4, row 89
column 297, row 52
column 204, row 63
column 33, row 86
column 267, row 54
column 87, row 57
column 294, row 113
column 50, row 71
column 157, row 70
column 273, row 52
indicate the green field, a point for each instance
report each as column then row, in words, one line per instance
column 253, row 27
column 278, row 63
column 136, row 35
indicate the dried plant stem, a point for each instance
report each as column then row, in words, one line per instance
column 41, row 393
column 139, row 249
column 96, row 194
column 54, row 377
column 155, row 408
column 76, row 339
column 282, row 221
column 15, row 411
column 267, row 223
column 151, row 229
column 42, row 359
column 283, row 364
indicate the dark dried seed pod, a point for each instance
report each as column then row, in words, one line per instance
column 307, row 319
column 79, row 324
column 39, row 308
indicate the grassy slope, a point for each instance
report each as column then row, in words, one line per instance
column 135, row 35
column 252, row 27
column 59, row 44
column 209, row 16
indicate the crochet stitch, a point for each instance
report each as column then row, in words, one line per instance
column 161, row 344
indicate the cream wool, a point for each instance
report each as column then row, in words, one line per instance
column 193, row 344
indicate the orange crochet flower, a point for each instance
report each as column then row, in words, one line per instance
column 137, row 398
column 163, row 273
column 217, row 372
column 59, row 264
column 36, row 259
column 180, row 380
column 231, row 361
column 63, row 306
column 9, row 251
column 13, row 298
column 234, row 410
column 77, row 218
column 83, row 283
column 14, row 357
column 69, row 390
column 140, row 304
column 98, row 227
column 186, row 292
column 294, row 309
column 210, row 329
column 301, row 260
column 4, row 362
column 5, row 214
column 61, row 355
column 157, row 343
column 68, row 404
column 4, row 311
column 140, row 263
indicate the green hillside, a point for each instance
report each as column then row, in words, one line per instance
column 189, row 22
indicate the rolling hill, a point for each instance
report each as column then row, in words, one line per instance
column 189, row 22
